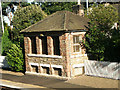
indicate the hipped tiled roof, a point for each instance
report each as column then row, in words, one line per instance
column 59, row 21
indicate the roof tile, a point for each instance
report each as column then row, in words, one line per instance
column 59, row 21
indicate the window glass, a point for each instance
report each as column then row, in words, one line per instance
column 76, row 43
column 56, row 45
column 33, row 45
column 44, row 45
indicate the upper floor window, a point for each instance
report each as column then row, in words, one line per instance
column 77, row 39
column 33, row 45
column 44, row 45
column 56, row 45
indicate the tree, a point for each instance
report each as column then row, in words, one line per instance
column 13, row 49
column 15, row 58
column 104, row 16
column 26, row 16
column 99, row 35
column 6, row 43
column 51, row 7
column 13, row 52
column 112, row 50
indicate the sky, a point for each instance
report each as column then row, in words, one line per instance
column 29, row 1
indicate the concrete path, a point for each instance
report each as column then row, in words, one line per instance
column 96, row 82
column 33, row 81
column 36, row 81
column 17, row 85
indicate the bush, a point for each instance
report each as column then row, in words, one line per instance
column 6, row 43
column 101, row 40
column 15, row 58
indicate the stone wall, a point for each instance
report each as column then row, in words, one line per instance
column 77, row 58
column 66, row 60
column 47, row 61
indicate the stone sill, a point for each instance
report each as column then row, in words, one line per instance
column 46, row 65
column 81, row 55
column 46, row 56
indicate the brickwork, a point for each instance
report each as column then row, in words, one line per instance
column 27, row 51
column 64, row 50
column 50, row 45
column 77, row 57
column 38, row 45
column 68, row 59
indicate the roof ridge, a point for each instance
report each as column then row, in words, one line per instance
column 65, row 21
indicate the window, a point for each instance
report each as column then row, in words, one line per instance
column 34, row 68
column 57, row 71
column 77, row 39
column 33, row 45
column 45, row 70
column 44, row 45
column 56, row 45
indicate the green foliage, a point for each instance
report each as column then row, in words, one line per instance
column 24, row 4
column 112, row 49
column 51, row 7
column 13, row 52
column 25, row 17
column 15, row 58
column 104, row 16
column 95, row 40
column 4, row 6
column 100, row 37
column 6, row 43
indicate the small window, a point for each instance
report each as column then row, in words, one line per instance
column 76, row 43
column 34, row 68
column 33, row 45
column 56, row 45
column 57, row 71
column 45, row 70
column 44, row 45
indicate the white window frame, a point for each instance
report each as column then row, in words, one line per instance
column 77, row 44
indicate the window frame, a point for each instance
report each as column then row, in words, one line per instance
column 75, row 43
column 33, row 44
column 56, row 45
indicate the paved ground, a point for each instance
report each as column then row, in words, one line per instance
column 95, row 82
column 43, row 82
column 33, row 81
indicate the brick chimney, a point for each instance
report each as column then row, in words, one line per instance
column 78, row 9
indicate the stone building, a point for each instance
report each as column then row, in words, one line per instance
column 53, row 46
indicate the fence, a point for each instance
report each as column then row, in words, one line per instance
column 102, row 69
column 3, row 62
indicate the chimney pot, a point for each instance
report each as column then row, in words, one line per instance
column 78, row 9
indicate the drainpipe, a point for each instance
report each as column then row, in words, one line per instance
column 70, row 54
